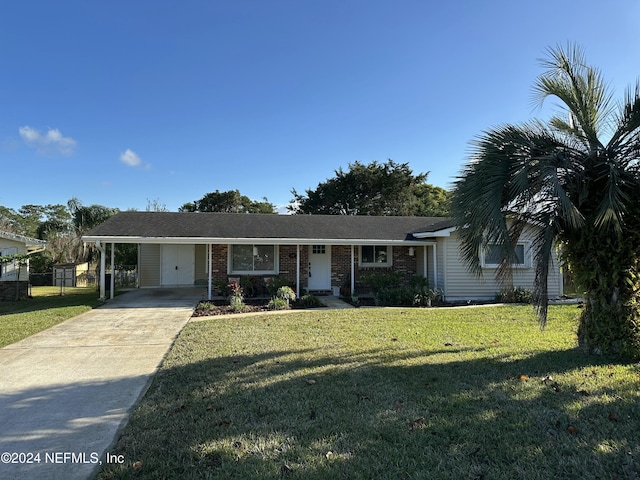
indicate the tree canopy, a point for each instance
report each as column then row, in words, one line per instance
column 576, row 178
column 228, row 202
column 375, row 189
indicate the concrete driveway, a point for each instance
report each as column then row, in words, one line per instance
column 65, row 392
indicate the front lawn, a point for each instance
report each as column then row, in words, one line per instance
column 23, row 318
column 473, row 393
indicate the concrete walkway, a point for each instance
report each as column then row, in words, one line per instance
column 65, row 392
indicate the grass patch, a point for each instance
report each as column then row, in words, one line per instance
column 476, row 393
column 46, row 308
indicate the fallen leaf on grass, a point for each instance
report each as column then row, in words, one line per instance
column 572, row 430
column 448, row 344
column 310, row 381
column 137, row 465
column 394, row 339
column 417, row 423
column 523, row 378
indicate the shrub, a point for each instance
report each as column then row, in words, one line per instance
column 514, row 295
column 391, row 290
column 310, row 301
column 286, row 293
column 273, row 284
column 236, row 299
column 277, row 303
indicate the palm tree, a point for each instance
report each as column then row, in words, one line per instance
column 577, row 178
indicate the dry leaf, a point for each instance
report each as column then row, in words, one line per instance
column 523, row 378
column 417, row 423
column 137, row 465
column 311, row 381
column 572, row 430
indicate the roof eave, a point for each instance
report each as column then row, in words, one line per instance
column 251, row 241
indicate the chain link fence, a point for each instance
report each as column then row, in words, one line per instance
column 126, row 276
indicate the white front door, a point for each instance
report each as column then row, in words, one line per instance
column 319, row 267
column 178, row 264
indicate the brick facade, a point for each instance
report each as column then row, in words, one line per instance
column 340, row 265
column 8, row 290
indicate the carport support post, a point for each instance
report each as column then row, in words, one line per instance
column 113, row 270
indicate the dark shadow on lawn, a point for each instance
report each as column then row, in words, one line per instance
column 360, row 416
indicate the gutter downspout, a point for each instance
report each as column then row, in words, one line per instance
column 103, row 263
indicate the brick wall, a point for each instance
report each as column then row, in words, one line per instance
column 8, row 290
column 340, row 264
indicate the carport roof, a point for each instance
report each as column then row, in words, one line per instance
column 168, row 227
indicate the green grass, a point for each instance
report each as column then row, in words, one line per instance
column 476, row 393
column 23, row 318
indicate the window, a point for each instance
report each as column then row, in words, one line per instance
column 318, row 249
column 375, row 256
column 253, row 259
column 493, row 256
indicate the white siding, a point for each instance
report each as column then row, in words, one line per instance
column 461, row 284
column 201, row 275
column 9, row 270
column 149, row 265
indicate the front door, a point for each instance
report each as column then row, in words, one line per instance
column 178, row 264
column 319, row 267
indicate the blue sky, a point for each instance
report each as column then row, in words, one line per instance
column 121, row 102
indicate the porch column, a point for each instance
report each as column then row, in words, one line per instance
column 113, row 270
column 297, row 271
column 209, row 269
column 435, row 267
column 353, row 273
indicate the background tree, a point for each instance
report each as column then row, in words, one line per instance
column 376, row 189
column 228, row 202
column 580, row 190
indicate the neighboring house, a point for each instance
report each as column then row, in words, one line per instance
column 12, row 244
column 318, row 253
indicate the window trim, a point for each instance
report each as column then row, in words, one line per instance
column 276, row 260
column 525, row 253
column 387, row 264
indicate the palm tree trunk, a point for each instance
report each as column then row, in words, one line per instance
column 606, row 267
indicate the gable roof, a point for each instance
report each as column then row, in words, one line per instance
column 172, row 227
column 32, row 244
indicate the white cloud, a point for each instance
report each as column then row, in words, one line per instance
column 131, row 158
column 52, row 142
